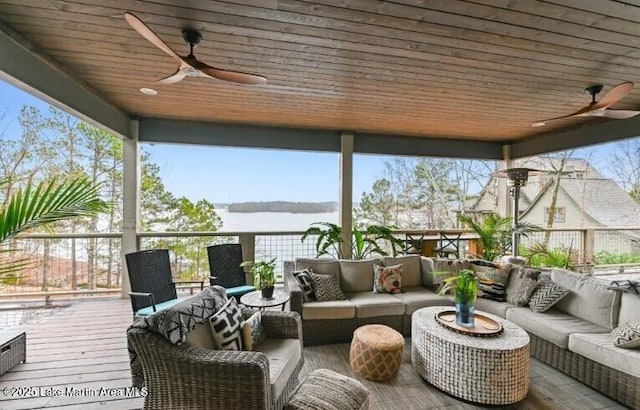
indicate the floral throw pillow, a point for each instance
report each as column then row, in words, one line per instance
column 546, row 295
column 326, row 287
column 304, row 280
column 252, row 332
column 627, row 335
column 387, row 279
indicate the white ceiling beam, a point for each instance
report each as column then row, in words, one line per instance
column 22, row 67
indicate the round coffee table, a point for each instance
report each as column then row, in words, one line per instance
column 255, row 300
column 488, row 370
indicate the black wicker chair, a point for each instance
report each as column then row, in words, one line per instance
column 224, row 264
column 449, row 245
column 152, row 286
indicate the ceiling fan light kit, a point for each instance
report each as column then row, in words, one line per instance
column 600, row 108
column 190, row 66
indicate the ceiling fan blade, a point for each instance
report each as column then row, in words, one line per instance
column 173, row 78
column 614, row 95
column 147, row 33
column 582, row 111
column 619, row 114
column 233, row 76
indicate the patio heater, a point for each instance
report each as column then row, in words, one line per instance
column 516, row 179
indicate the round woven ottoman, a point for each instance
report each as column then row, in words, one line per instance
column 376, row 352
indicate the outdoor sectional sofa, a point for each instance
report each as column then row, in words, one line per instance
column 573, row 336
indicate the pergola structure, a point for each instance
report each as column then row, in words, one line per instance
column 446, row 78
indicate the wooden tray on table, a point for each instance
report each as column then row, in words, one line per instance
column 484, row 325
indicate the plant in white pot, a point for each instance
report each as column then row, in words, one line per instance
column 264, row 275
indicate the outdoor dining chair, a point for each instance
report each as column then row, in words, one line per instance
column 224, row 265
column 152, row 285
column 449, row 245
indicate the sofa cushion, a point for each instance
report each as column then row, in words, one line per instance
column 417, row 297
column 335, row 309
column 325, row 266
column 284, row 355
column 546, row 295
column 521, row 285
column 369, row 304
column 493, row 306
column 410, row 268
column 629, row 308
column 357, row 275
column 600, row 349
column 627, row 335
column 326, row 287
column 553, row 326
column 387, row 279
column 589, row 298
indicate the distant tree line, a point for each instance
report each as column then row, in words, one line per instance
column 284, row 206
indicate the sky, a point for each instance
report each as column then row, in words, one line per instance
column 225, row 175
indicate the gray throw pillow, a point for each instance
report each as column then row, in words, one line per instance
column 522, row 284
column 546, row 295
column 326, row 287
column 627, row 335
column 304, row 280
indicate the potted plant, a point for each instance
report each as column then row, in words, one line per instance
column 264, row 276
column 365, row 242
column 464, row 286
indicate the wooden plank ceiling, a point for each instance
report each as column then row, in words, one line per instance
column 481, row 69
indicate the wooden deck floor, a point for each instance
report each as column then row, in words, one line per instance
column 83, row 347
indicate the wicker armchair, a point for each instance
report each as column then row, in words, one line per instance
column 152, row 286
column 224, row 265
column 187, row 377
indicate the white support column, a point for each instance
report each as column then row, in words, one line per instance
column 131, row 174
column 505, row 202
column 346, row 192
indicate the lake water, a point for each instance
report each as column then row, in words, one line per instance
column 271, row 221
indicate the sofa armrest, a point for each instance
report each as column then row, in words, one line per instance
column 292, row 286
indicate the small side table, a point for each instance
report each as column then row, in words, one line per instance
column 255, row 300
column 13, row 350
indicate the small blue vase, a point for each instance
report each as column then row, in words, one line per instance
column 464, row 314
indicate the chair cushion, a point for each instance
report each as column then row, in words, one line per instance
column 201, row 337
column 284, row 356
column 546, row 295
column 226, row 326
column 417, row 297
column 493, row 306
column 600, row 349
column 369, row 304
column 326, row 287
column 252, row 332
column 357, row 275
column 410, row 268
column 553, row 326
column 159, row 306
column 239, row 291
column 334, row 309
column 589, row 298
column 387, row 279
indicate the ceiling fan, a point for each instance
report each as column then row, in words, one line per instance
column 600, row 108
column 189, row 65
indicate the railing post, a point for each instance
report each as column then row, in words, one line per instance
column 248, row 244
column 588, row 245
